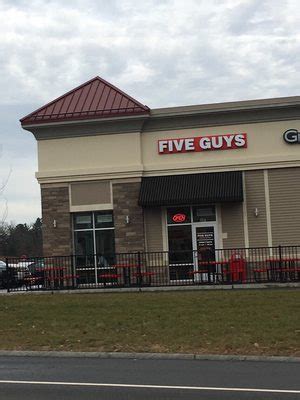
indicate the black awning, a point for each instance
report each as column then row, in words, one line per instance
column 190, row 189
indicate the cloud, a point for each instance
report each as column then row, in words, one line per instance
column 162, row 52
column 50, row 47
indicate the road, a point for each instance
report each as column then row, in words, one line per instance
column 94, row 378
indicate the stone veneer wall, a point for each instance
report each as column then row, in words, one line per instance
column 55, row 206
column 128, row 237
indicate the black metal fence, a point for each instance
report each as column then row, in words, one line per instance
column 219, row 267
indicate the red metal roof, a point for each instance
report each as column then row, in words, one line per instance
column 91, row 100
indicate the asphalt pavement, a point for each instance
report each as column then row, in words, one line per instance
column 97, row 378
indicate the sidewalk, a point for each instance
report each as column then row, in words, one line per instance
column 244, row 286
column 148, row 356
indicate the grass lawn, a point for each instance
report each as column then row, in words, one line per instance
column 265, row 322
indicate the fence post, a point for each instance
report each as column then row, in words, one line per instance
column 139, row 270
column 280, row 262
column 7, row 276
column 72, row 270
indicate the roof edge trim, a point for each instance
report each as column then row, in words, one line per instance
column 230, row 106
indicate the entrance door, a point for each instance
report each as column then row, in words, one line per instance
column 204, row 242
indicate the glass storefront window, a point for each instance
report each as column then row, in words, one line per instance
column 94, row 234
column 204, row 213
column 105, row 247
column 84, row 242
column 84, row 247
column 104, row 219
column 94, row 242
column 83, row 221
column 179, row 215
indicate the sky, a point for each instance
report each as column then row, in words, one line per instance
column 161, row 52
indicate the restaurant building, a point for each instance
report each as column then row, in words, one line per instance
column 119, row 177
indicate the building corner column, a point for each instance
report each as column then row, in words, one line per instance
column 128, row 217
column 56, row 217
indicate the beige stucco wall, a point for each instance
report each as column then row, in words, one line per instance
column 135, row 154
column 266, row 148
column 90, row 156
column 88, row 193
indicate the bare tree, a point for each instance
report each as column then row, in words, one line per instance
column 3, row 199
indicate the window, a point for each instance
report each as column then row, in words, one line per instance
column 83, row 221
column 94, row 243
column 204, row 213
column 94, row 233
column 104, row 219
column 178, row 215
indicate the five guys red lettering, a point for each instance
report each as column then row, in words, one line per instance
column 203, row 143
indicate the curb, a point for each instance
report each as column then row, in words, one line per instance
column 244, row 286
column 148, row 356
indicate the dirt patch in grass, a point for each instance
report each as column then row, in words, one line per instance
column 265, row 322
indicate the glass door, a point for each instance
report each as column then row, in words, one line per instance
column 204, row 243
column 192, row 239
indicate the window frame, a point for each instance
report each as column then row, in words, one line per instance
column 192, row 214
column 93, row 229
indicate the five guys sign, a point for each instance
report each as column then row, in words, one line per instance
column 203, row 143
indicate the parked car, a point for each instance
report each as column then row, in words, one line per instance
column 31, row 273
column 2, row 274
column 36, row 270
column 15, row 276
